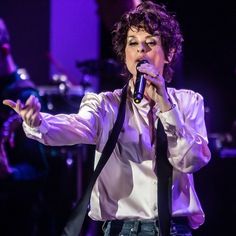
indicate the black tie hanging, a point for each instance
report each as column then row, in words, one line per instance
column 75, row 222
column 164, row 175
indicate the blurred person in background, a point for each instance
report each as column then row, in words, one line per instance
column 23, row 166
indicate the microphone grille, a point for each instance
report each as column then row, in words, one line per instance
column 142, row 62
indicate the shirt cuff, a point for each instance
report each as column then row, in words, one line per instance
column 37, row 131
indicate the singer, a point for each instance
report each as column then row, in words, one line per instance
column 146, row 187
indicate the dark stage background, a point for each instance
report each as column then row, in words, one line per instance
column 208, row 65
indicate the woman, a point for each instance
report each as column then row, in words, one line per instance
column 125, row 193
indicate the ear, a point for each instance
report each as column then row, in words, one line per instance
column 170, row 55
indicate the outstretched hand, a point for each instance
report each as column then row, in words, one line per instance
column 29, row 112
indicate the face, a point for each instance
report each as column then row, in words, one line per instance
column 142, row 45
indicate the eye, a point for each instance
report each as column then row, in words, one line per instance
column 132, row 43
column 151, row 43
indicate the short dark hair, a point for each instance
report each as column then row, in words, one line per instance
column 153, row 18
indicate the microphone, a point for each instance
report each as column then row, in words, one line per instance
column 139, row 84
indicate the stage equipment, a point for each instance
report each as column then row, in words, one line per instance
column 69, row 166
column 103, row 75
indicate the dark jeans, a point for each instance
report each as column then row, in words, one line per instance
column 143, row 228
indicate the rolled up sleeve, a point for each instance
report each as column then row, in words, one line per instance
column 186, row 132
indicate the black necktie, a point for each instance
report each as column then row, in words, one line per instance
column 164, row 175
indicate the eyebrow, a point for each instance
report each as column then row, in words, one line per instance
column 147, row 37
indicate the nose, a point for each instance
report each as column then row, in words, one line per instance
column 141, row 48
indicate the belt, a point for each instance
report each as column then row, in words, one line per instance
column 177, row 220
column 118, row 224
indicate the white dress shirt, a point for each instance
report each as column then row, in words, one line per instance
column 127, row 186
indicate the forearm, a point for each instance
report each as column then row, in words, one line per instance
column 62, row 130
column 188, row 153
column 187, row 146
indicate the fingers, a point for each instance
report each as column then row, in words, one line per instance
column 152, row 75
column 9, row 103
column 155, row 82
column 16, row 106
column 35, row 120
column 158, row 81
column 29, row 112
column 148, row 69
column 19, row 106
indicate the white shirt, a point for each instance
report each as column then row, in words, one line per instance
column 127, row 186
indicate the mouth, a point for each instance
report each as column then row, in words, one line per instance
column 141, row 59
